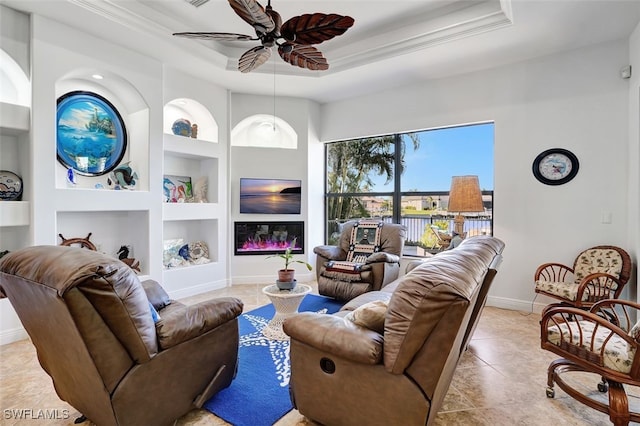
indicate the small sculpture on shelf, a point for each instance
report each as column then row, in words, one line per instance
column 181, row 127
column 123, row 255
column 200, row 188
column 177, row 253
column 123, row 177
column 194, row 131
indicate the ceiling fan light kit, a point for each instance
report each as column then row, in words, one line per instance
column 294, row 37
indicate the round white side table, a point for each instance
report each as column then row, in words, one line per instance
column 286, row 303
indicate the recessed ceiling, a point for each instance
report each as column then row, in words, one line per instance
column 392, row 43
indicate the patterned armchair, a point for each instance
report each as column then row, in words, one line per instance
column 603, row 341
column 598, row 273
column 366, row 258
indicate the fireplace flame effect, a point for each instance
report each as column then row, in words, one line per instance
column 268, row 245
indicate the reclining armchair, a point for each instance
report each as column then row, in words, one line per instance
column 366, row 258
column 388, row 357
column 118, row 350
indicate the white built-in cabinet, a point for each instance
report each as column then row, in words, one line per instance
column 15, row 216
column 149, row 97
column 197, row 157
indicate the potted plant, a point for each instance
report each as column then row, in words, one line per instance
column 286, row 276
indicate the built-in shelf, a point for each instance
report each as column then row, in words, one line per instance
column 190, row 148
column 14, row 213
column 14, row 119
column 189, row 211
column 83, row 199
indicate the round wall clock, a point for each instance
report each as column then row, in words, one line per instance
column 555, row 166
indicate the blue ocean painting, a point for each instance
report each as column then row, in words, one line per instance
column 270, row 196
column 90, row 134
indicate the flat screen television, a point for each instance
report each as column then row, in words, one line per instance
column 270, row 196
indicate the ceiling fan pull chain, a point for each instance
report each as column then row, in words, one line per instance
column 274, row 93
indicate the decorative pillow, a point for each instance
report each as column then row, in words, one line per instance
column 154, row 314
column 608, row 261
column 370, row 315
column 156, row 294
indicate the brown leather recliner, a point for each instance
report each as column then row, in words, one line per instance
column 344, row 372
column 346, row 270
column 91, row 322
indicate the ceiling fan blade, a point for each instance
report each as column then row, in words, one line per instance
column 315, row 28
column 303, row 56
column 253, row 13
column 216, row 36
column 253, row 58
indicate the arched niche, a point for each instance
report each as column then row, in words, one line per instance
column 14, row 83
column 134, row 111
column 196, row 113
column 264, row 131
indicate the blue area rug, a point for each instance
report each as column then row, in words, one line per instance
column 259, row 395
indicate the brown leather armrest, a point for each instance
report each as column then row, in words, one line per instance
column 186, row 322
column 330, row 252
column 337, row 336
column 383, row 257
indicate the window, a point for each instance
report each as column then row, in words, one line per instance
column 405, row 178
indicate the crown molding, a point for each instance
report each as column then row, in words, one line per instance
column 447, row 24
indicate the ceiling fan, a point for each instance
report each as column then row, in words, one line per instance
column 294, row 38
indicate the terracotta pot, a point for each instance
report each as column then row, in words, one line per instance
column 286, row 275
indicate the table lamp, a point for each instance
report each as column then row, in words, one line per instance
column 464, row 197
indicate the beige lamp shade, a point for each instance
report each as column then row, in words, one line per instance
column 464, row 197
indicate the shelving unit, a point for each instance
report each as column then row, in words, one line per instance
column 200, row 221
column 15, row 216
column 16, row 219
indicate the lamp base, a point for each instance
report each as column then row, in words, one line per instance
column 458, row 225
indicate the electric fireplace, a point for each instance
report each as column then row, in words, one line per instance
column 257, row 238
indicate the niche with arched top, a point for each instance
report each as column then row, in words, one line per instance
column 135, row 115
column 195, row 113
column 15, row 87
column 264, row 131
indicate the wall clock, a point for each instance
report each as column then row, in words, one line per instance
column 555, row 166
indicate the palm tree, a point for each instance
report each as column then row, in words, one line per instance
column 351, row 166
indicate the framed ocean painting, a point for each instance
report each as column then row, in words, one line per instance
column 91, row 137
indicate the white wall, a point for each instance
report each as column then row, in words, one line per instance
column 634, row 147
column 574, row 100
column 250, row 162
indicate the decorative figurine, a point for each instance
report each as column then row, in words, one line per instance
column 123, row 255
column 181, row 127
column 194, row 131
column 124, row 176
column 71, row 176
column 200, row 190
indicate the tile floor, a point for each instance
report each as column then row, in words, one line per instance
column 500, row 380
